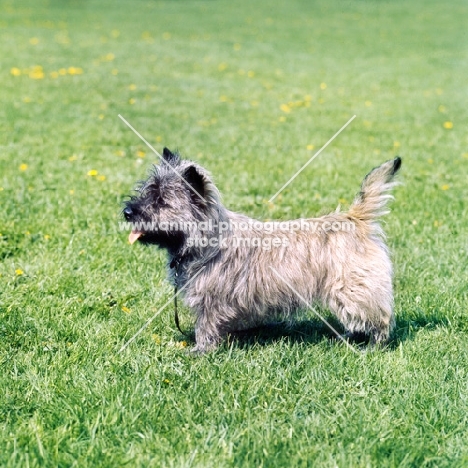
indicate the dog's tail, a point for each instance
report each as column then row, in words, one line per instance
column 371, row 201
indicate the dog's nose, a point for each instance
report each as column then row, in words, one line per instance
column 127, row 212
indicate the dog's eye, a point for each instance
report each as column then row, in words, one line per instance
column 157, row 202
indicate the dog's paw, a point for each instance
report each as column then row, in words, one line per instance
column 204, row 348
column 196, row 351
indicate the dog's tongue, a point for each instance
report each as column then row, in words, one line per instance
column 133, row 236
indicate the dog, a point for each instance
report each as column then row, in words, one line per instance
column 236, row 272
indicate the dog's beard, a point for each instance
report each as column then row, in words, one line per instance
column 173, row 241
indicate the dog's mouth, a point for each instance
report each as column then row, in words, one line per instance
column 165, row 239
column 134, row 236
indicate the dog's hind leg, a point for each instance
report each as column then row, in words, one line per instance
column 373, row 316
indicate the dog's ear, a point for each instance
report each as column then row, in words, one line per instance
column 170, row 157
column 196, row 180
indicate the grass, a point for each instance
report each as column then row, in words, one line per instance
column 251, row 90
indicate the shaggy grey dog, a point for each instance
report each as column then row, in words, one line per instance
column 236, row 272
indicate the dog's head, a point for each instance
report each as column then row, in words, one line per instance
column 169, row 206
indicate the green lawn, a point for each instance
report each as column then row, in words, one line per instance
column 250, row 89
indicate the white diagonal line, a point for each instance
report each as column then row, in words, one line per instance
column 315, row 312
column 312, row 158
column 159, row 311
column 159, row 156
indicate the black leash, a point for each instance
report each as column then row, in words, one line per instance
column 175, row 265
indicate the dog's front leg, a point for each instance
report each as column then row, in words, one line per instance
column 207, row 335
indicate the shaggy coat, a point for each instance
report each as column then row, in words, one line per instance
column 236, row 272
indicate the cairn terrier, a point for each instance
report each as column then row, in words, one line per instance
column 236, row 272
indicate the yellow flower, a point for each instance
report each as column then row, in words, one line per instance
column 156, row 338
column 120, row 153
column 15, row 71
column 222, row 66
column 465, row 155
column 167, row 381
column 159, row 139
column 71, row 192
column 223, row 98
column 442, row 109
column 310, row 147
column 125, row 309
column 323, row 86
column 131, row 101
column 62, row 71
column 101, row 177
column 141, row 154
column 132, row 87
column 437, row 223
column 36, row 73
column 19, row 272
column 237, row 46
column 115, row 71
column 445, row 187
column 282, row 118
column 396, row 144
column 430, row 161
column 368, row 103
column 54, row 74
column 109, row 57
column 23, row 167
column 448, row 125
column 46, row 237
column 73, row 157
column 34, row 41
column 285, row 108
column 39, row 75
column 93, row 173
column 75, row 71
column 101, row 116
column 250, row 74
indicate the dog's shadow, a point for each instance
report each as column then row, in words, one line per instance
column 313, row 331
column 310, row 331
